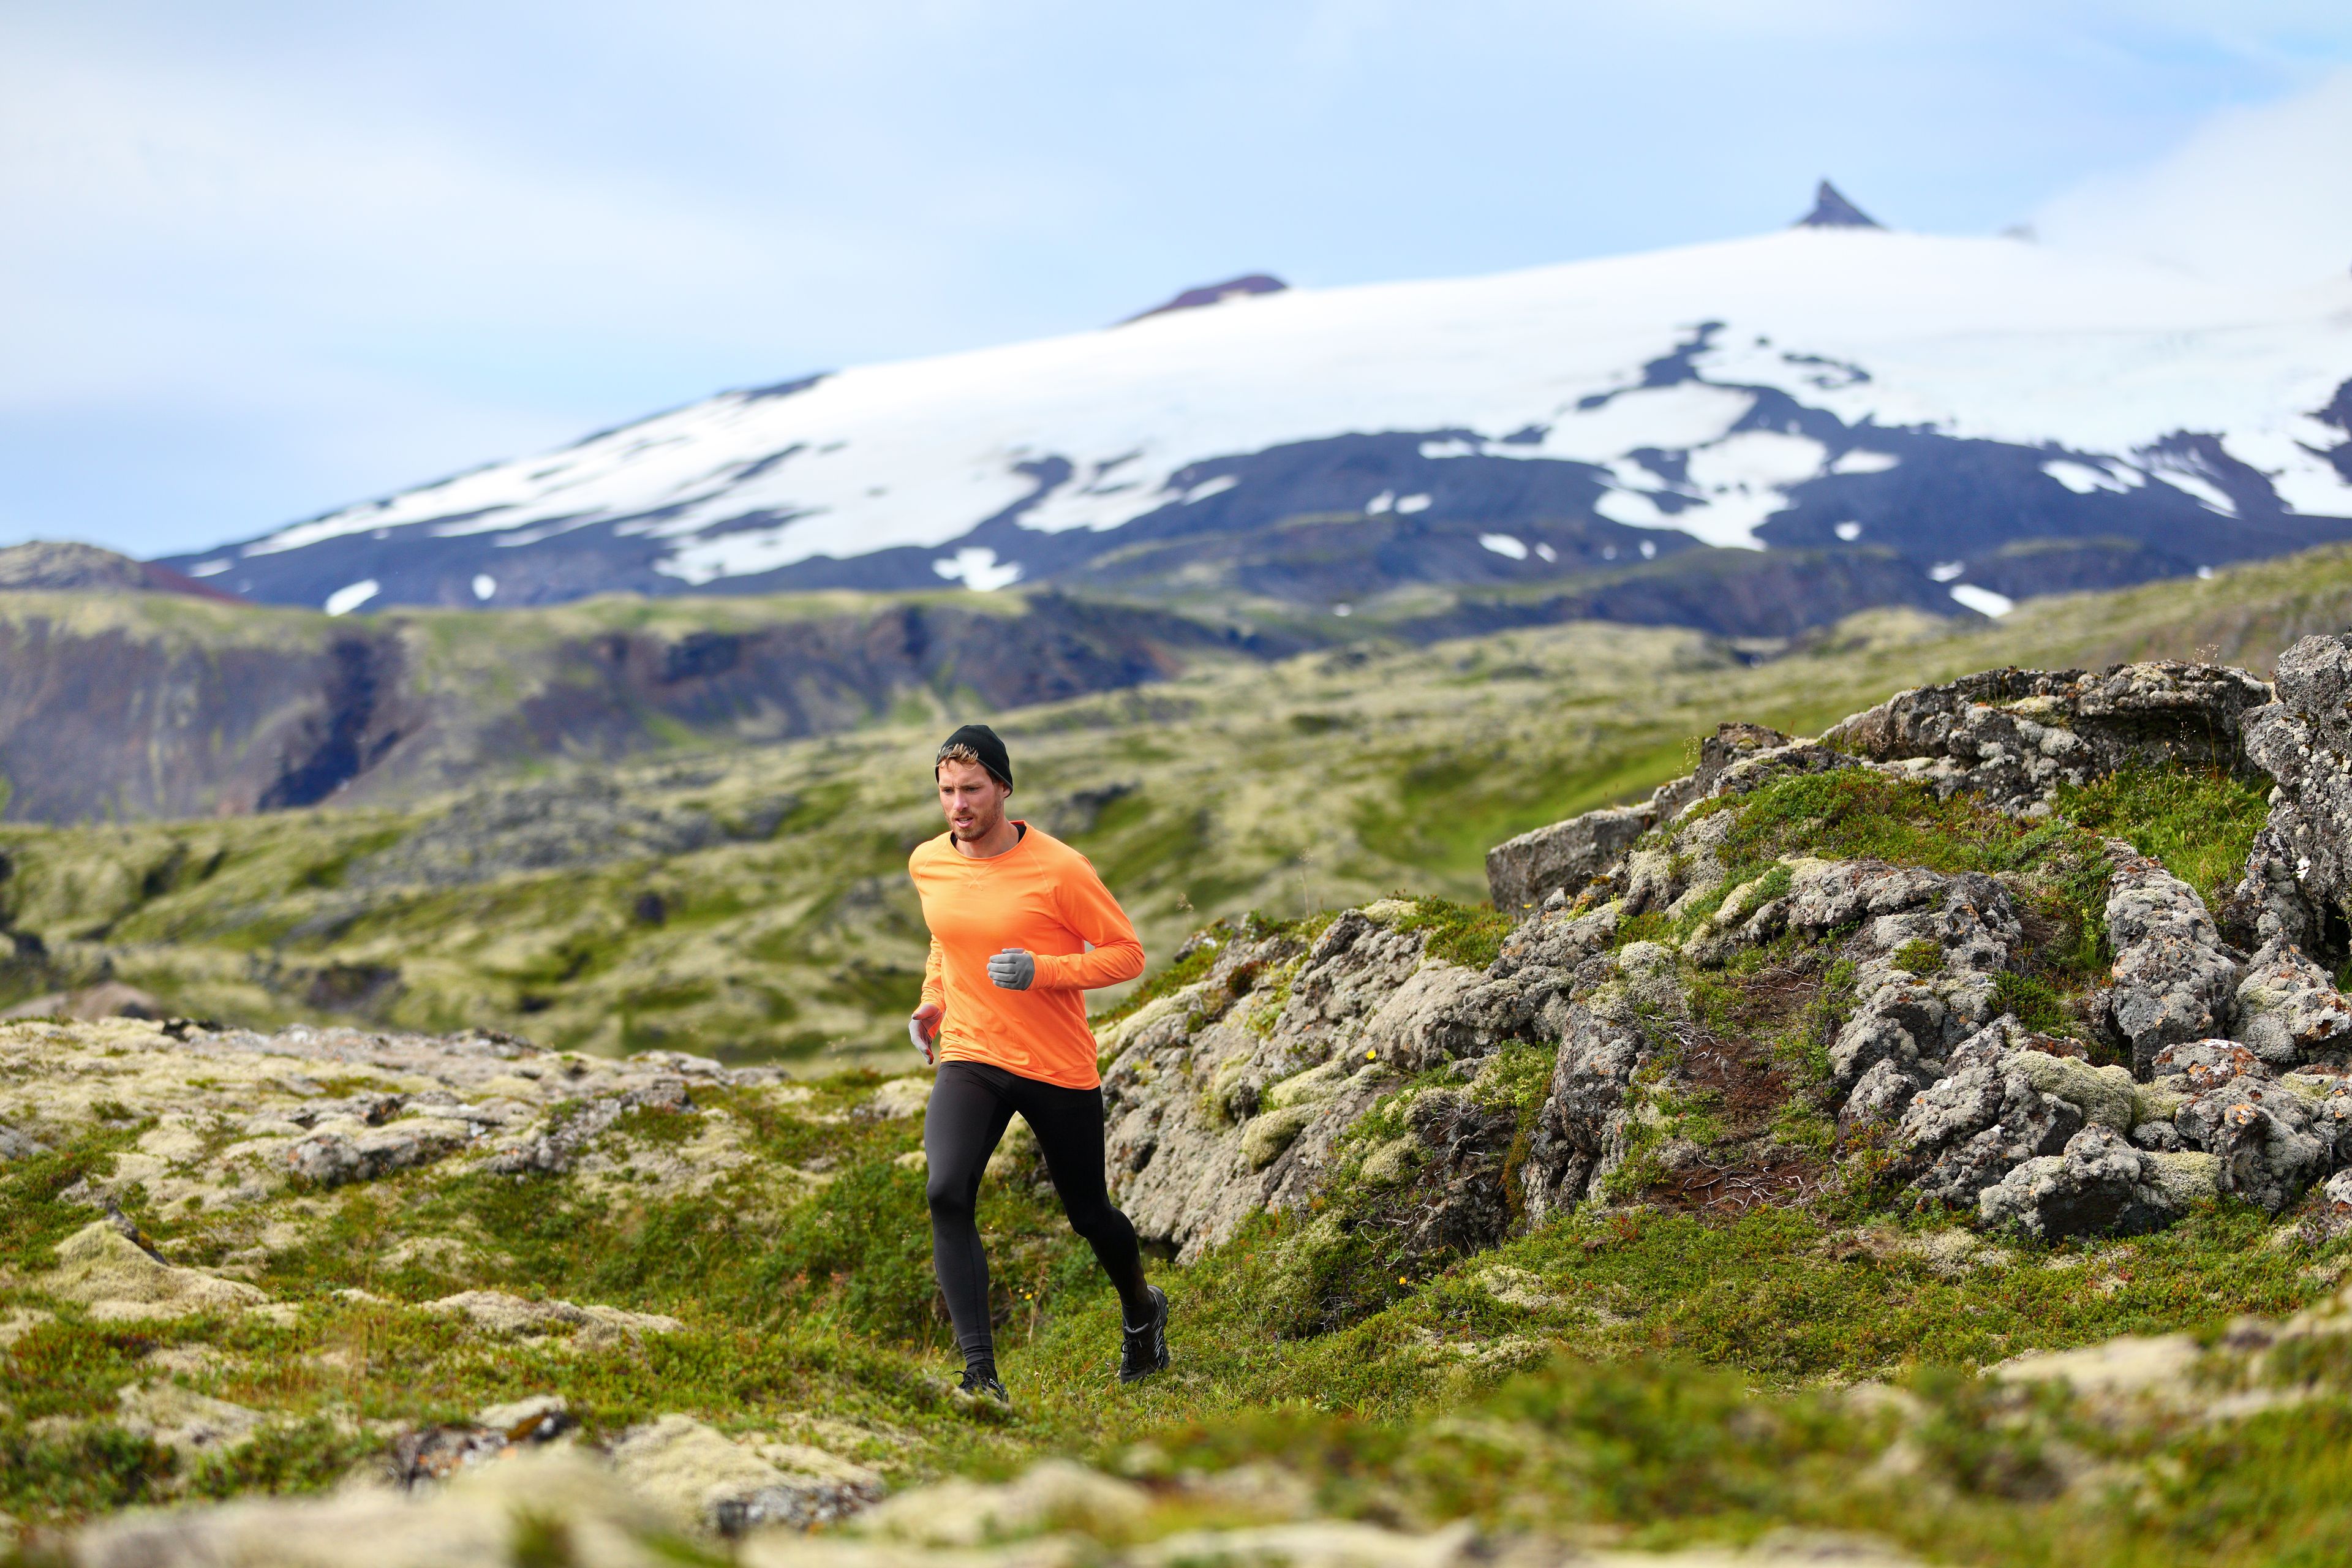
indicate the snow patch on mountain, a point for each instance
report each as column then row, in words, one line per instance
column 1701, row 387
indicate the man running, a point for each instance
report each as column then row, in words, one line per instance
column 1021, row 928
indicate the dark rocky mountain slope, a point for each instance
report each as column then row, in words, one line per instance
column 125, row 708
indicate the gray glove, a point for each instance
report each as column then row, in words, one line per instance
column 1014, row 969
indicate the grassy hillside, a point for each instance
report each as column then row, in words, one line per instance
column 1644, row 1374
column 1628, row 1377
column 749, row 901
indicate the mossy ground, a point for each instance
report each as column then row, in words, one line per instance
column 1663, row 1373
column 1651, row 1375
column 1666, row 1373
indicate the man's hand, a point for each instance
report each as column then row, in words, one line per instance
column 923, row 1027
column 1014, row 969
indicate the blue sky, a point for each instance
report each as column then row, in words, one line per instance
column 258, row 261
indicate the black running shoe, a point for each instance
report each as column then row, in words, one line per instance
column 1146, row 1350
column 977, row 1385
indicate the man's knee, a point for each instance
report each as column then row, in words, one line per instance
column 949, row 1200
column 1098, row 1220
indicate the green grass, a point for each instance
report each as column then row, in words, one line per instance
column 1656, row 1453
column 32, row 1219
column 1921, row 957
column 1468, row 935
column 1672, row 1363
column 2200, row 823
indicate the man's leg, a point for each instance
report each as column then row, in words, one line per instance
column 966, row 1118
column 1070, row 1127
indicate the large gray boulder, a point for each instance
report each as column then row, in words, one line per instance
column 1983, row 1119
column 1522, row 872
column 2289, row 1011
column 2175, row 981
column 2097, row 1185
column 2299, row 877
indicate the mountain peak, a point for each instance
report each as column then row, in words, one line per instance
column 1832, row 210
column 1215, row 294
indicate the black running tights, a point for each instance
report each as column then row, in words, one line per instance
column 971, row 1104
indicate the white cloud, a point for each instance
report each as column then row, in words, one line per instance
column 290, row 256
column 263, row 201
column 2261, row 193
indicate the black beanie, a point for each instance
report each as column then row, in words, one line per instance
column 984, row 745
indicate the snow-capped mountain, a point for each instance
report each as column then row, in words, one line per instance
column 1955, row 419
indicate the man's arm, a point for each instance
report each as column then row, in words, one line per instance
column 935, row 990
column 1087, row 909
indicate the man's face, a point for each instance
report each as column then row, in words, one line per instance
column 973, row 801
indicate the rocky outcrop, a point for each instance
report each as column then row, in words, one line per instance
column 2099, row 1184
column 2289, row 1012
column 1522, row 872
column 2011, row 736
column 1925, row 1062
column 2174, row 980
column 1965, row 1098
column 1240, row 1092
column 2298, row 880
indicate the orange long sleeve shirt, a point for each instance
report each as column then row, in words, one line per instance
column 1041, row 895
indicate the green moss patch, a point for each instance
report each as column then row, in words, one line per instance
column 1468, row 934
